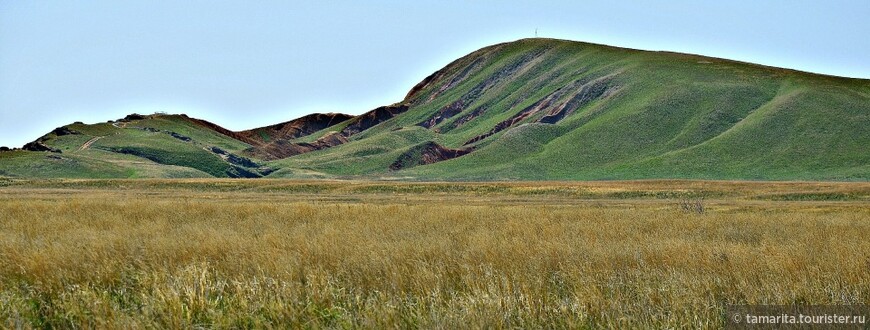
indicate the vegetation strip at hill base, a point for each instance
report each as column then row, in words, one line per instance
column 200, row 253
column 662, row 190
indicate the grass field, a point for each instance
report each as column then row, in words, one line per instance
column 313, row 254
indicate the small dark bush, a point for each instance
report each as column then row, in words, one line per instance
column 693, row 206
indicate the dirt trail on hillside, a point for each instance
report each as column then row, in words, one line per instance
column 90, row 142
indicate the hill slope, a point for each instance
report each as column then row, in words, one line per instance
column 545, row 109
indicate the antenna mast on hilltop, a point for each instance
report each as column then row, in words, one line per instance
column 536, row 32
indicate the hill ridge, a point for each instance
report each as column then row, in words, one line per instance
column 544, row 109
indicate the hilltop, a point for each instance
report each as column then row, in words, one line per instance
column 532, row 109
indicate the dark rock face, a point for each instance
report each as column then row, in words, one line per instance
column 423, row 84
column 426, row 153
column 372, row 118
column 465, row 118
column 218, row 151
column 241, row 161
column 295, row 128
column 448, row 111
column 39, row 146
column 283, row 149
column 131, row 117
column 61, row 131
column 180, row 137
column 233, row 159
column 240, row 172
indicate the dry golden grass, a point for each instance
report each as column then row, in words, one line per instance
column 179, row 254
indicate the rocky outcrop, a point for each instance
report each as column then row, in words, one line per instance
column 283, row 149
column 587, row 93
column 553, row 108
column 296, row 128
column 274, row 142
column 426, row 153
column 39, row 146
column 446, row 112
column 424, row 84
column 444, row 78
column 372, row 118
column 132, row 117
column 459, row 105
column 180, row 137
column 232, row 158
column 63, row 130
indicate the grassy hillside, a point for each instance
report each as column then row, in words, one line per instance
column 147, row 146
column 533, row 109
column 546, row 109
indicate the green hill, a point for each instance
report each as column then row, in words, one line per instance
column 533, row 109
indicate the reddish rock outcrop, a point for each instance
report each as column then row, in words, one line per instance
column 283, row 148
column 426, row 153
column 372, row 118
column 296, row 128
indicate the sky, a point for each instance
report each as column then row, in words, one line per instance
column 246, row 64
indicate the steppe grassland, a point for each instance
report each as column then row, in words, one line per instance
column 185, row 253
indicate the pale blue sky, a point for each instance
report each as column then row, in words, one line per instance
column 243, row 64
